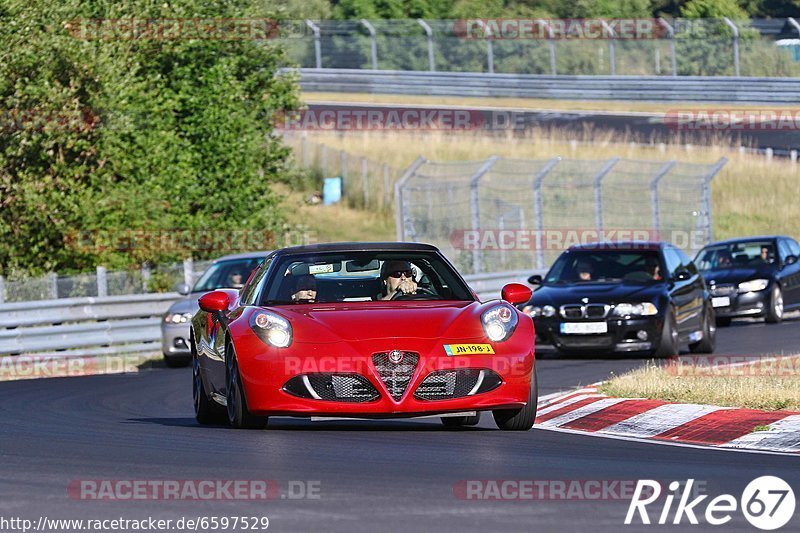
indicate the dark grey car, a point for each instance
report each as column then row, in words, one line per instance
column 227, row 272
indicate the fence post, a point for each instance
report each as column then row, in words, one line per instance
column 400, row 218
column 2, row 290
column 317, row 44
column 654, row 204
column 385, row 185
column 373, row 43
column 598, row 192
column 304, row 148
column 708, row 221
column 429, row 33
column 323, row 156
column 671, row 33
column 474, row 205
column 537, row 208
column 364, row 181
column 552, row 39
column 145, row 276
column 343, row 161
column 489, row 50
column 52, row 279
column 611, row 55
column 735, row 31
column 188, row 271
column 102, row 282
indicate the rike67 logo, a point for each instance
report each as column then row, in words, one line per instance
column 767, row 503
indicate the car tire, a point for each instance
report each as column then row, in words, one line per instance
column 239, row 416
column 520, row 419
column 179, row 361
column 460, row 421
column 709, row 340
column 774, row 312
column 723, row 321
column 668, row 344
column 205, row 411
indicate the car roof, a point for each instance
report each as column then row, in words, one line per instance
column 620, row 246
column 748, row 239
column 244, row 255
column 359, row 247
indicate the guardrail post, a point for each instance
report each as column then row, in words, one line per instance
column 598, row 192
column 708, row 221
column 654, row 204
column 365, row 181
column 373, row 43
column 474, row 204
column 671, row 33
column 611, row 55
column 188, row 271
column 551, row 37
column 2, row 290
column 735, row 31
column 429, row 33
column 400, row 215
column 537, row 208
column 52, row 279
column 489, row 50
column 102, row 282
column 385, row 185
column 317, row 43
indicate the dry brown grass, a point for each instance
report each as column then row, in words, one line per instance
column 752, row 195
column 760, row 385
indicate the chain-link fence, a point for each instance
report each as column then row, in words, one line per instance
column 366, row 183
column 709, row 47
column 513, row 214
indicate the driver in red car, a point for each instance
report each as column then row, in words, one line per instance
column 397, row 277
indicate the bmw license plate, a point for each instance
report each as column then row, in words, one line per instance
column 583, row 328
column 721, row 301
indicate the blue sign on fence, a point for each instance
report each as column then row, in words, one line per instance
column 332, row 190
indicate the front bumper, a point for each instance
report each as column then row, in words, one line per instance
column 175, row 340
column 623, row 335
column 742, row 304
column 266, row 371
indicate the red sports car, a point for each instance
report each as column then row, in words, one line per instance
column 363, row 330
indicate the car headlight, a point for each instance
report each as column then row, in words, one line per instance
column 272, row 329
column 534, row 311
column 754, row 285
column 178, row 318
column 499, row 322
column 642, row 309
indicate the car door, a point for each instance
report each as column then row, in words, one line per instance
column 790, row 273
column 684, row 292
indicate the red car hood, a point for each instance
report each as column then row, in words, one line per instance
column 375, row 320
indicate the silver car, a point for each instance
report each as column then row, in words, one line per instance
column 227, row 272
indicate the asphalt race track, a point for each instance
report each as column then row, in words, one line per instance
column 372, row 476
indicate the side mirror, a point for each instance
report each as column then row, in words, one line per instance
column 183, row 288
column 516, row 293
column 536, row 279
column 790, row 259
column 214, row 302
column 682, row 275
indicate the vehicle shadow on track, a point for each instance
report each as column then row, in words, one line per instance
column 289, row 424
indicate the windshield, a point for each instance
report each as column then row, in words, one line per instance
column 363, row 277
column 230, row 274
column 606, row 266
column 736, row 255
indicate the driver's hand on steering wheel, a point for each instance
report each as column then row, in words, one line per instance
column 407, row 286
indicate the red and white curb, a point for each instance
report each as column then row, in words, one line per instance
column 588, row 411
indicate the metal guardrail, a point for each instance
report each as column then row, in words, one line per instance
column 641, row 88
column 125, row 324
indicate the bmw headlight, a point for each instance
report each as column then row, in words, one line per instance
column 642, row 309
column 754, row 285
column 178, row 318
column 534, row 311
column 272, row 329
column 499, row 322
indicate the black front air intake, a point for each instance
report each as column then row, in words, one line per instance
column 449, row 384
column 351, row 388
column 396, row 369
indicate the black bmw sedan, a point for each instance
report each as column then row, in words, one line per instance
column 752, row 277
column 623, row 297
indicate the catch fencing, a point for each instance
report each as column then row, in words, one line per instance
column 504, row 214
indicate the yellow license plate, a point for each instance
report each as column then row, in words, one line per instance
column 468, row 349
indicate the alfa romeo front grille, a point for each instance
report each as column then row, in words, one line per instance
column 396, row 376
